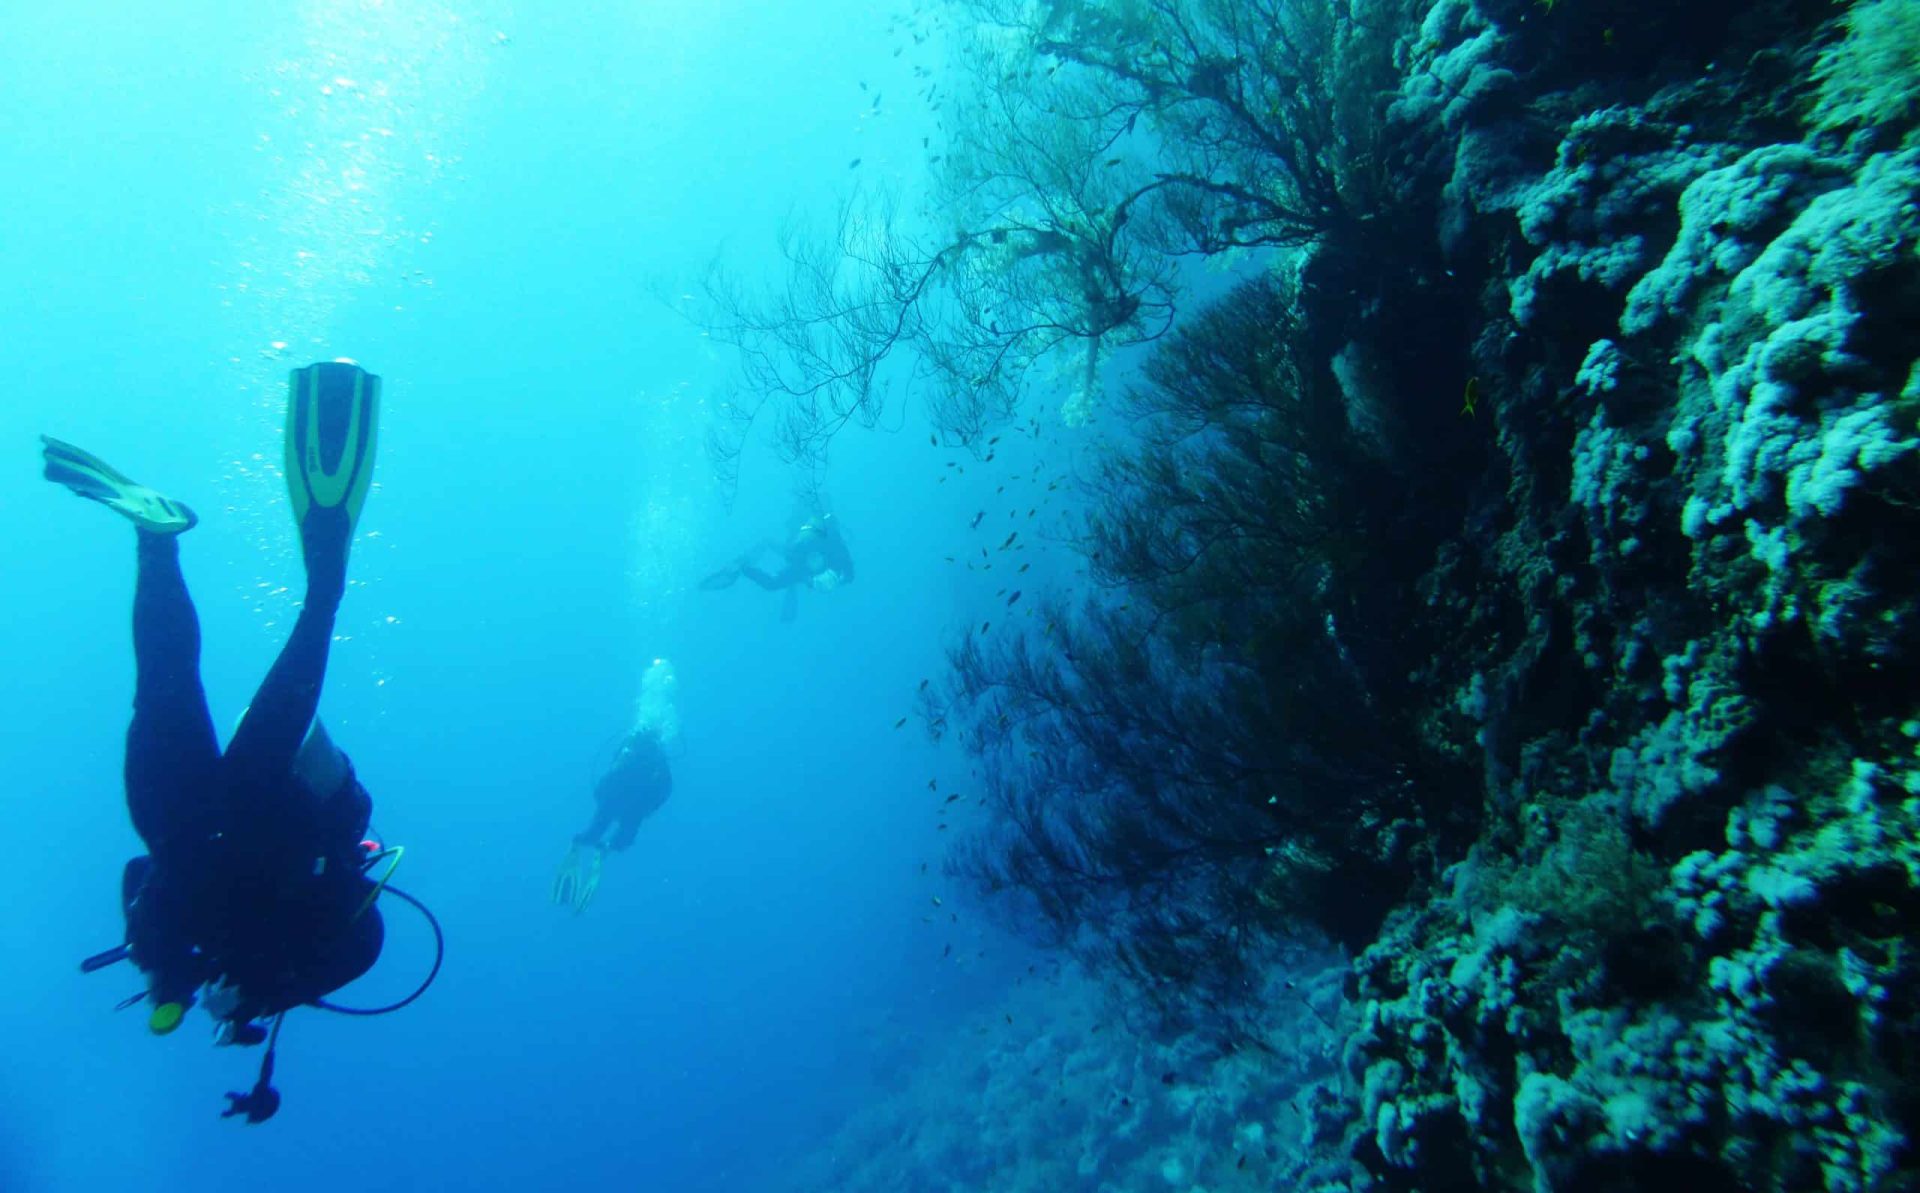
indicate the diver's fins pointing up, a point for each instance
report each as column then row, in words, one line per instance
column 333, row 423
column 95, row 479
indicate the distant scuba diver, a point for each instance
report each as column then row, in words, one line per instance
column 815, row 557
column 635, row 786
column 255, row 887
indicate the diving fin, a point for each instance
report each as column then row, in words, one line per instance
column 333, row 423
column 95, row 479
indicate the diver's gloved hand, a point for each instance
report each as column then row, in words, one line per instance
column 239, row 1031
column 233, row 1013
column 578, row 879
column 222, row 999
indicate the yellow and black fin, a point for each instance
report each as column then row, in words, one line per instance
column 95, row 479
column 333, row 424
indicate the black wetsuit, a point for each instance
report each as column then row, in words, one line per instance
column 809, row 555
column 249, row 875
column 633, row 789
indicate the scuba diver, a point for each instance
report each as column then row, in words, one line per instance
column 254, row 892
column 815, row 557
column 634, row 787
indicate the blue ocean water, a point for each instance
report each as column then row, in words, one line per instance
column 494, row 210
column 1380, row 644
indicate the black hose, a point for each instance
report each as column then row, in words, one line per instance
column 439, row 955
column 100, row 961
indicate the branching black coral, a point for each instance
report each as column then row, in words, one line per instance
column 1178, row 772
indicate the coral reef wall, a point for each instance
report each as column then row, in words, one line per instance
column 1684, row 649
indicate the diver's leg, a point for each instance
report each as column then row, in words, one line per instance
column 261, row 753
column 597, row 829
column 333, row 417
column 623, row 839
column 763, row 578
column 172, row 753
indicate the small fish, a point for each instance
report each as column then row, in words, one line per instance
column 925, row 682
column 923, row 867
column 976, row 520
column 899, row 722
column 984, row 625
column 1113, row 161
column 954, row 796
column 934, row 440
column 1009, row 542
column 936, row 901
column 1025, row 566
column 940, row 829
column 853, row 164
column 1014, row 598
column 863, row 84
column 934, row 160
column 923, row 141
column 1009, row 1020
column 876, row 98
column 993, row 441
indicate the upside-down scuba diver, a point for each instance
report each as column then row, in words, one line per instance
column 255, row 892
column 635, row 786
column 815, row 556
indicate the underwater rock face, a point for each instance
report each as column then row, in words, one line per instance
column 1681, row 951
column 1062, row 1088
